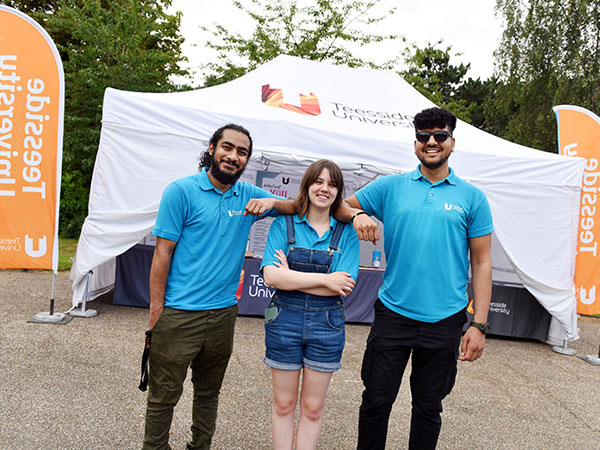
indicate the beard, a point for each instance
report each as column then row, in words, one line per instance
column 433, row 165
column 222, row 176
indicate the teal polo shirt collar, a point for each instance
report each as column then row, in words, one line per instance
column 206, row 184
column 332, row 224
column 417, row 175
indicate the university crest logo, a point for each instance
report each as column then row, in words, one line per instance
column 309, row 104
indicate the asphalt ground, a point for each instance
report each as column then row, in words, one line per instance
column 74, row 386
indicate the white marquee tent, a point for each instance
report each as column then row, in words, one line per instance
column 360, row 118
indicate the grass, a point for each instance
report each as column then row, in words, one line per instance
column 66, row 251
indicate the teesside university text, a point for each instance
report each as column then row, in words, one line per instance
column 373, row 117
column 34, row 128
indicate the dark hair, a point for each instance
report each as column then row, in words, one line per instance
column 435, row 118
column 312, row 173
column 205, row 158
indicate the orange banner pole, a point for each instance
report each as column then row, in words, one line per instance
column 579, row 135
column 31, row 132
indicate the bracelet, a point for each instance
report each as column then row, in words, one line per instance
column 357, row 214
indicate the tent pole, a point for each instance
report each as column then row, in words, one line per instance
column 50, row 317
column 85, row 293
column 564, row 350
column 52, row 293
column 83, row 312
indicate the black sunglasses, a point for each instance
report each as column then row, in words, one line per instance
column 439, row 136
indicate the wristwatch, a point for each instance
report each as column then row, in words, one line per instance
column 483, row 327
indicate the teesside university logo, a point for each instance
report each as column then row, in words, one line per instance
column 309, row 104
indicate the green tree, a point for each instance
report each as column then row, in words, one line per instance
column 483, row 104
column 322, row 30
column 125, row 44
column 32, row 7
column 548, row 55
column 429, row 70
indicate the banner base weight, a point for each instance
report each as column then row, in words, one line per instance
column 594, row 360
column 46, row 317
column 84, row 313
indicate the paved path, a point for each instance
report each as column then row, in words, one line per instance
column 74, row 386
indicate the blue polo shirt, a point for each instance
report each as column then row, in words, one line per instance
column 426, row 229
column 344, row 260
column 211, row 234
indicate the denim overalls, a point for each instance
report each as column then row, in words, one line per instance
column 307, row 330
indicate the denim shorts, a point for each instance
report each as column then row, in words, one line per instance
column 304, row 331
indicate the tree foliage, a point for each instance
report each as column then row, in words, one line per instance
column 125, row 44
column 321, row 30
column 548, row 56
column 32, row 7
column 431, row 72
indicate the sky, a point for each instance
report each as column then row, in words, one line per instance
column 468, row 26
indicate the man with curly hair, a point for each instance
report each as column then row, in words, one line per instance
column 202, row 218
column 432, row 221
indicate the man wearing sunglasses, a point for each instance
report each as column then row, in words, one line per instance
column 432, row 220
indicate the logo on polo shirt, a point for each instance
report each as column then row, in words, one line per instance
column 234, row 213
column 451, row 207
column 309, row 104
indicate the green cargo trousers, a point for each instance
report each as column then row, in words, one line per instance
column 202, row 340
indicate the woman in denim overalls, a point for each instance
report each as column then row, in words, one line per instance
column 312, row 260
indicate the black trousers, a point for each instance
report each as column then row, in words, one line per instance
column 434, row 348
